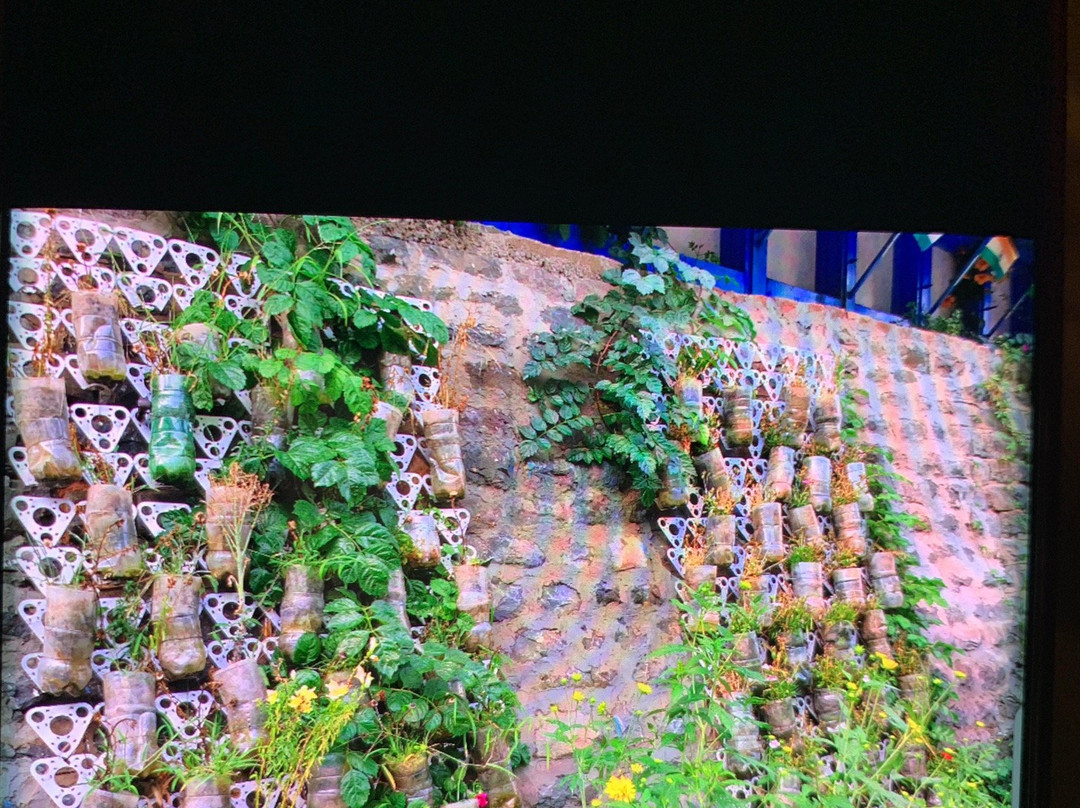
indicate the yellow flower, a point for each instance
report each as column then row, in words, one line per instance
column 620, row 788
column 579, row 696
column 601, row 708
column 980, row 724
column 335, row 690
column 271, row 697
column 644, row 689
column 554, row 708
column 882, row 714
column 563, row 681
column 637, row 768
column 303, row 699
column 596, row 801
column 576, row 677
column 959, row 674
column 889, row 664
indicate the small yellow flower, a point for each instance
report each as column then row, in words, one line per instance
column 596, row 801
column 637, row 768
column 644, row 689
column 579, row 696
column 335, row 690
column 271, row 697
column 620, row 788
column 971, row 784
column 936, row 681
column 564, row 681
column 889, row 664
column 601, row 708
column 882, row 714
column 554, row 708
column 303, row 699
column 852, row 686
column 959, row 674
column 786, row 748
column 980, row 724
column 576, row 677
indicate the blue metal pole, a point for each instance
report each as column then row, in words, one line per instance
column 873, row 265
column 960, row 277
column 1009, row 313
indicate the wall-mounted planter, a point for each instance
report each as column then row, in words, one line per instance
column 827, row 414
column 98, row 339
column 856, row 472
column 674, row 488
column 301, row 607
column 800, row 654
column 849, row 587
column 796, row 415
column 206, row 792
column 689, row 391
column 69, row 623
column 781, row 472
column 720, row 540
column 395, row 596
column 805, row 526
column 130, row 717
column 426, row 549
column 270, row 416
column 713, row 469
column 808, row 582
column 839, row 639
column 324, row 786
column 444, row 450
column 739, row 416
column 819, row 482
column 780, row 716
column 697, row 575
column 474, row 598
column 99, row 798
column 111, row 540
column 850, row 528
column 493, row 755
column 395, row 372
column 41, row 414
column 172, row 441
column 768, row 522
column 207, row 340
column 393, row 416
column 829, row 709
column 747, row 651
column 875, row 633
column 412, row 777
column 885, row 580
column 242, row 691
column 175, row 612
column 745, row 736
column 786, row 784
column 227, row 522
column 913, row 766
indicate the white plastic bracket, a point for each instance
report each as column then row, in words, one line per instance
column 214, row 434
column 404, row 488
column 87, row 240
column 30, row 276
column 72, row 273
column 186, row 712
column 143, row 251
column 145, row 292
column 101, row 424
column 45, row 518
column 29, row 232
column 49, row 773
column 49, row 565
column 32, row 610
column 219, row 650
column 195, row 263
column 150, row 513
column 44, row 721
column 26, row 322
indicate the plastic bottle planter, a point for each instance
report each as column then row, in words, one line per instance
column 745, row 736
column 301, row 607
column 324, row 787
column 395, row 372
column 885, row 580
column 227, row 522
column 781, row 472
column 41, row 414
column 780, row 716
column 769, row 531
column 426, row 549
column 474, row 598
column 796, row 398
column 269, row 416
column 849, row 587
column 827, row 423
column 747, row 652
column 805, row 526
column 913, row 766
column 412, row 777
column 206, row 792
column 172, row 442
column 689, row 391
column 875, row 633
column 913, row 688
column 800, row 653
column 493, row 756
column 829, row 709
column 697, row 575
column 839, row 639
column 674, row 491
column 242, row 691
column 850, row 528
column 131, row 718
column 739, row 416
column 175, row 612
column 819, row 481
column 393, row 417
column 757, row 590
column 713, row 470
column 786, row 784
column 98, row 798
column 856, row 472
column 808, row 581
column 444, row 451
column 98, row 338
column 720, row 540
column 395, row 596
column 208, row 342
column 111, row 539
column 70, row 624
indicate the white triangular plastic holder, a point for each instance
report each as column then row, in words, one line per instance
column 182, row 295
column 45, row 771
column 101, row 424
column 29, row 232
column 140, row 419
column 243, row 307
column 78, row 715
column 32, row 611
column 453, row 525
column 186, row 711
column 121, row 464
column 404, row 488
column 214, row 434
column 20, row 361
column 244, row 397
column 65, row 560
column 219, row 650
column 19, row 462
column 425, row 382
column 236, row 262
column 142, row 468
column 192, row 563
column 143, row 251
column 404, row 449
column 145, row 292
column 30, row 663
column 150, row 513
column 30, row 276
column 204, row 467
column 71, row 273
column 195, row 263
column 133, row 329
column 240, row 794
column 138, row 376
column 26, row 321
column 235, row 624
column 46, row 519
column 85, row 239
column 71, row 365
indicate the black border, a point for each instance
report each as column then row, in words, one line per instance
column 923, row 117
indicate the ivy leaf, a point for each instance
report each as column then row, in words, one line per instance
column 230, row 374
column 364, row 318
column 646, row 284
column 372, row 575
column 355, row 789
column 327, row 473
column 308, row 648
column 307, row 514
column 276, row 253
column 277, row 304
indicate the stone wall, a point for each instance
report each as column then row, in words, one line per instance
column 580, row 580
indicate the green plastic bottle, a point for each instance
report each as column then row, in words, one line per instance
column 172, row 441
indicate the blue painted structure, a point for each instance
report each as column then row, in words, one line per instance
column 837, row 275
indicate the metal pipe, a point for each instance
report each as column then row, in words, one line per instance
column 960, row 277
column 873, row 264
column 1009, row 313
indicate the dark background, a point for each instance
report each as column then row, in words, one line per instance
column 928, row 117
